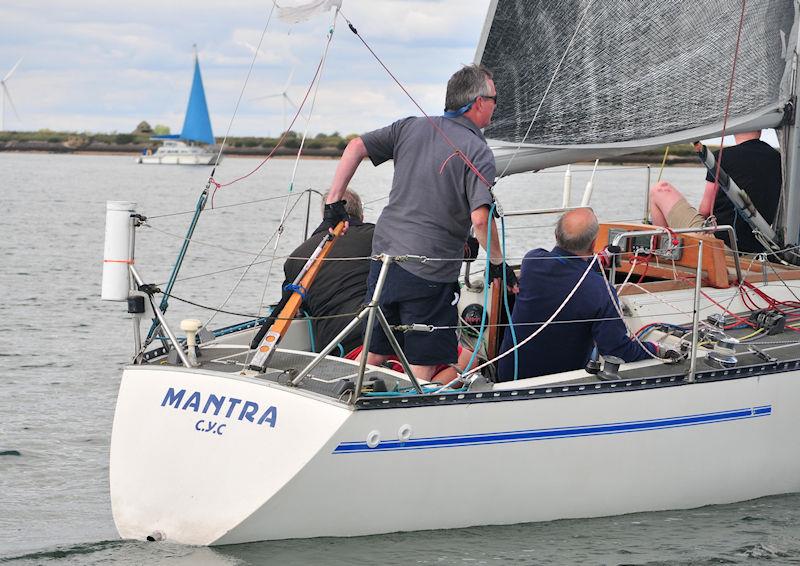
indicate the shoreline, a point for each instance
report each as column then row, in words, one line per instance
column 132, row 150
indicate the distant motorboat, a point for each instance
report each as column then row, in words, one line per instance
column 193, row 146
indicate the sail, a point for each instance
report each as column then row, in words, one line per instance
column 628, row 75
column 196, row 124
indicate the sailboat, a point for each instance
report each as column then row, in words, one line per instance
column 193, row 145
column 208, row 449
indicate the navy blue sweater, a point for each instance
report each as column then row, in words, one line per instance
column 545, row 281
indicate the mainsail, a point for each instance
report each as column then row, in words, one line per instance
column 196, row 124
column 635, row 74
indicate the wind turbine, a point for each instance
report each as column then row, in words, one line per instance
column 285, row 98
column 6, row 94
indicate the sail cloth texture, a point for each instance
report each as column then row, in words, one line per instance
column 306, row 11
column 638, row 73
column 196, row 124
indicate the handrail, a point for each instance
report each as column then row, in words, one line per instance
column 658, row 230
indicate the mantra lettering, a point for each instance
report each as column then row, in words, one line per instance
column 219, row 406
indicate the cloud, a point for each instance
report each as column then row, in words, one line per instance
column 100, row 66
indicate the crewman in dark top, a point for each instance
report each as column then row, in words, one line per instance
column 753, row 165
column 340, row 286
column 544, row 283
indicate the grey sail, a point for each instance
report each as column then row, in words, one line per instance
column 638, row 74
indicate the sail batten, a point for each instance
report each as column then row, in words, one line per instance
column 636, row 72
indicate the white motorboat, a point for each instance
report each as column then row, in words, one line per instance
column 209, row 448
column 194, row 145
column 178, row 152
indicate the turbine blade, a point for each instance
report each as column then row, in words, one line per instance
column 288, row 81
column 10, row 101
column 290, row 101
column 276, row 95
column 11, row 72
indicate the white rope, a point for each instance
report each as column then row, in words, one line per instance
column 244, row 86
column 247, row 270
column 547, row 90
column 537, row 332
column 297, row 159
column 622, row 318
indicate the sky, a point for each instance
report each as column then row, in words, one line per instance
column 100, row 66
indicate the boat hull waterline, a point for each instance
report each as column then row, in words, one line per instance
column 203, row 458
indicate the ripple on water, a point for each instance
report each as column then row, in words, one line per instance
column 761, row 551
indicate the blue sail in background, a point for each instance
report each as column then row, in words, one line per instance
column 197, row 125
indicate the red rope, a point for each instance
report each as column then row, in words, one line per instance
column 730, row 96
column 456, row 149
column 218, row 185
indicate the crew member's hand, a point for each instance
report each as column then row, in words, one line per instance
column 335, row 213
column 496, row 273
column 605, row 257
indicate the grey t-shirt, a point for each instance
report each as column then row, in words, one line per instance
column 431, row 201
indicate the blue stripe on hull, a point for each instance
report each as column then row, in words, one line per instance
column 554, row 433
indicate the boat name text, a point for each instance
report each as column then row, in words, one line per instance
column 219, row 405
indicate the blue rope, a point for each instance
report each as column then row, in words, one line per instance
column 485, row 288
column 505, row 298
column 299, row 289
column 459, row 112
column 341, row 350
column 310, row 331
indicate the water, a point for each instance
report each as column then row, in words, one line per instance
column 62, row 350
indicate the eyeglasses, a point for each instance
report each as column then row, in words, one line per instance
column 492, row 98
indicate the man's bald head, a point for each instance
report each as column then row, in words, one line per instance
column 576, row 231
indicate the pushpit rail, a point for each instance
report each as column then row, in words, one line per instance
column 659, row 231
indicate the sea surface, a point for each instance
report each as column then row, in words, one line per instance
column 62, row 351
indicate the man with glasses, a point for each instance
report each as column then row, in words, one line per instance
column 443, row 170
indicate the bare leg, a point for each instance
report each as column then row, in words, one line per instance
column 449, row 374
column 663, row 196
column 422, row 372
column 374, row 359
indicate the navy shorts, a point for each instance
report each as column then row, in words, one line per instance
column 408, row 299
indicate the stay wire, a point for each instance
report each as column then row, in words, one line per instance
column 244, row 87
column 255, row 259
column 218, row 185
column 317, row 81
column 456, row 149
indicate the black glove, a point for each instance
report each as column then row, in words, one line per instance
column 471, row 248
column 334, row 213
column 496, row 272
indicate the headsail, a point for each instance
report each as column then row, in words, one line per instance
column 637, row 74
column 196, row 124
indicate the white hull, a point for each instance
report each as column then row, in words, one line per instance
column 312, row 474
column 176, row 152
column 205, row 158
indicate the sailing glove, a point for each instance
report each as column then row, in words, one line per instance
column 334, row 213
column 496, row 272
column 471, row 248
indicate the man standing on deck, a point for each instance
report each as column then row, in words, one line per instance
column 435, row 197
column 545, row 281
column 753, row 165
